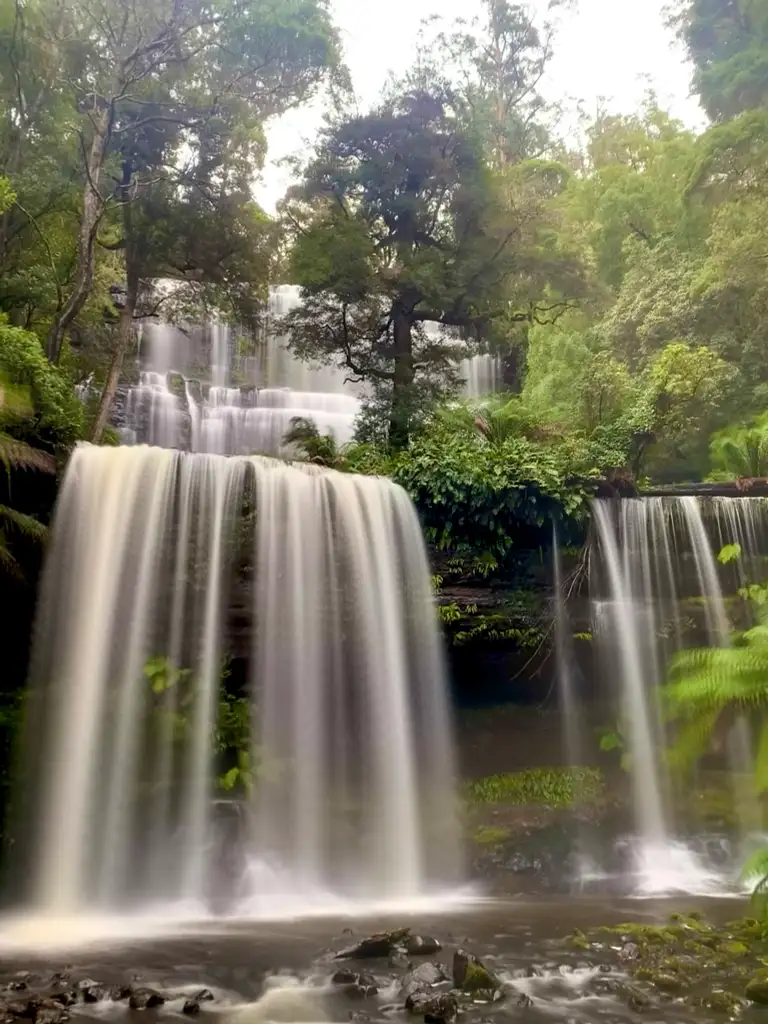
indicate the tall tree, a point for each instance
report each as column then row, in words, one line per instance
column 727, row 40
column 493, row 66
column 130, row 72
column 401, row 225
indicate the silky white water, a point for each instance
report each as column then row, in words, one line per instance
column 348, row 791
column 656, row 587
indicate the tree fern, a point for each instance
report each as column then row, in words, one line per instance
column 741, row 452
column 709, row 688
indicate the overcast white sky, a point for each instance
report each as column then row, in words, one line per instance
column 612, row 49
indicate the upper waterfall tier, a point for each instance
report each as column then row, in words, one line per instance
column 347, row 777
column 200, row 394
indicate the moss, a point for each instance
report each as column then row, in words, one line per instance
column 490, row 835
column 720, row 1001
column 734, row 948
column 579, row 940
column 757, row 990
column 668, row 982
column 478, row 978
column 547, row 787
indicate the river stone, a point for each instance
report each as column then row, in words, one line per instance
column 205, row 996
column 422, row 945
column 421, row 978
column 191, row 1007
column 757, row 990
column 433, row 1007
column 65, row 998
column 398, row 959
column 374, row 946
column 145, row 999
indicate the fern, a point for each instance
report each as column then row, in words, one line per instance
column 711, row 686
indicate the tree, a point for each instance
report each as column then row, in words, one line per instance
column 400, row 224
column 493, row 66
column 161, row 78
column 727, row 41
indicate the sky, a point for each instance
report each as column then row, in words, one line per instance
column 605, row 49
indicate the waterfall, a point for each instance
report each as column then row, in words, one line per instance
column 656, row 587
column 352, row 795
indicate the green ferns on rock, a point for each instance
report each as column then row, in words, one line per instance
column 546, row 787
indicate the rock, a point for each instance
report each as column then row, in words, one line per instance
column 629, row 951
column 398, row 959
column 87, row 983
column 17, row 986
column 344, row 977
column 357, row 986
column 421, row 945
column 65, row 998
column 51, row 1015
column 191, row 1007
column 668, row 982
column 757, row 989
column 375, row 946
column 636, row 999
column 205, row 996
column 422, row 978
column 145, row 999
column 470, row 975
column 360, row 991
column 120, row 992
column 95, row 994
column 524, row 1001
column 435, row 1008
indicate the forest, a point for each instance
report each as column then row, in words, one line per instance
column 619, row 277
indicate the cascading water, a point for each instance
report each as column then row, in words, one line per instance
column 351, row 749
column 657, row 587
column 170, row 408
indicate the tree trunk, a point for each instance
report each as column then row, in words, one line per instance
column 93, row 206
column 402, row 381
column 125, row 324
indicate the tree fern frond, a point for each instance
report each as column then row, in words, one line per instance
column 18, row 455
column 692, row 740
column 26, row 525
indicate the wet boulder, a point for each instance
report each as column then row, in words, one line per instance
column 421, row 945
column 757, row 989
column 356, row 985
column 433, row 1007
column 191, row 1007
column 145, row 999
column 205, row 996
column 421, row 979
column 380, row 945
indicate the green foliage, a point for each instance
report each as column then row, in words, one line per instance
column 550, row 787
column 498, row 629
column 709, row 688
column 56, row 414
column 740, row 452
column 484, row 498
column 755, row 871
column 729, row 553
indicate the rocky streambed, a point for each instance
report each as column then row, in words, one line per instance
column 577, row 961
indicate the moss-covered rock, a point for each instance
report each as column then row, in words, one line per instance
column 757, row 989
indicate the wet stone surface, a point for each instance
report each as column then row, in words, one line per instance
column 572, row 961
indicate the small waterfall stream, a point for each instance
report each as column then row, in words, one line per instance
column 656, row 587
